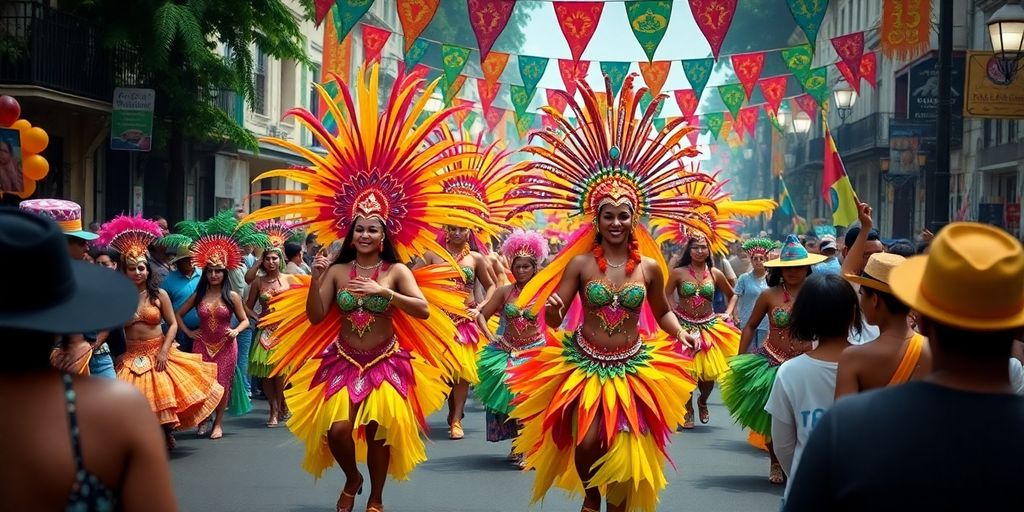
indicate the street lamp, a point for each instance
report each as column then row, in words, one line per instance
column 801, row 123
column 748, row 153
column 845, row 97
column 784, row 116
column 1006, row 30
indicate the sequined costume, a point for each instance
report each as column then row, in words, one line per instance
column 717, row 339
column 266, row 342
column 378, row 166
column 634, row 392
column 216, row 347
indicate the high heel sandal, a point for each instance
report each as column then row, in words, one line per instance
column 776, row 475
column 376, row 507
column 702, row 408
column 348, row 500
column 456, row 431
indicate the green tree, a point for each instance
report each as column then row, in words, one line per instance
column 176, row 42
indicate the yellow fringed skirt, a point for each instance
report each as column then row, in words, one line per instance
column 464, row 351
column 387, row 386
column 717, row 341
column 635, row 393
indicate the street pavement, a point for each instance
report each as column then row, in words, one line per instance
column 257, row 469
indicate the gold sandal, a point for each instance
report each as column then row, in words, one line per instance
column 347, row 501
column 776, row 475
column 376, row 507
column 456, row 431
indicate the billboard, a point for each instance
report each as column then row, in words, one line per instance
column 907, row 141
column 986, row 96
column 923, row 93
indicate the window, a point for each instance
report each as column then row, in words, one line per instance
column 259, row 101
column 314, row 99
column 289, row 91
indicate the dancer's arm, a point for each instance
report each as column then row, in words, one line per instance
column 659, row 304
column 239, row 309
column 730, row 310
column 190, row 303
column 321, row 289
column 489, row 309
column 758, row 314
column 172, row 329
column 568, row 287
column 484, row 274
column 846, row 377
column 853, row 263
column 405, row 294
column 723, row 283
column 250, row 301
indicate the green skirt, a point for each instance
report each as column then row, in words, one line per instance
column 745, row 390
column 492, row 367
column 259, row 355
column 239, row 403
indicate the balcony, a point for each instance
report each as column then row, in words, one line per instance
column 44, row 47
column 864, row 134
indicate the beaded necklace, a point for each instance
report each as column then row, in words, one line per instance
column 361, row 319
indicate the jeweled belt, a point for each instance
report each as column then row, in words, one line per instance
column 608, row 356
column 374, row 355
column 519, row 345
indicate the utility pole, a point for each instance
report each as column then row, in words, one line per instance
column 937, row 181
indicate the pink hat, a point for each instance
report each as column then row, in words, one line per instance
column 67, row 214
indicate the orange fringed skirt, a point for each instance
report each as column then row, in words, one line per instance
column 182, row 395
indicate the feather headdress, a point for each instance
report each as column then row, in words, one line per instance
column 761, row 246
column 611, row 156
column 525, row 244
column 130, row 236
column 379, row 165
column 217, row 242
column 278, row 232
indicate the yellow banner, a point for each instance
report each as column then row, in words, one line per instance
column 984, row 94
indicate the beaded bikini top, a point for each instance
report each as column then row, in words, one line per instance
column 147, row 314
column 602, row 293
column 468, row 275
column 363, row 310
column 690, row 289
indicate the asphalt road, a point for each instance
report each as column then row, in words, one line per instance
column 256, row 469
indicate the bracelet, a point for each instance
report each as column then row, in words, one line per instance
column 392, row 297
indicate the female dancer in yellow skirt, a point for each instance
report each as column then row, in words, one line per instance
column 180, row 387
column 364, row 335
column 599, row 404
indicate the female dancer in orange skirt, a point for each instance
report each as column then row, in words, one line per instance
column 599, row 405
column 364, row 335
column 180, row 387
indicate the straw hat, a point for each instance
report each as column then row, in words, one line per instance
column 877, row 271
column 972, row 278
column 794, row 255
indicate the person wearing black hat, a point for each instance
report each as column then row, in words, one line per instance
column 116, row 459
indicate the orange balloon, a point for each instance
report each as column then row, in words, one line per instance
column 28, row 188
column 34, row 140
column 34, row 167
column 22, row 125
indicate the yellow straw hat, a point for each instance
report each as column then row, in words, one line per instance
column 877, row 271
column 972, row 278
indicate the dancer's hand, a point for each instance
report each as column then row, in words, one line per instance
column 161, row 360
column 864, row 216
column 555, row 302
column 189, row 333
column 320, row 264
column 366, row 286
column 473, row 313
column 232, row 333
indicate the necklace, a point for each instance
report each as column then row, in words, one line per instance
column 369, row 267
column 620, row 265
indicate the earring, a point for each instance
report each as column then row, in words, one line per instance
column 381, row 248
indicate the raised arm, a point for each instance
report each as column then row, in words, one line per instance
column 854, row 262
column 568, row 287
column 321, row 289
column 659, row 303
column 758, row 314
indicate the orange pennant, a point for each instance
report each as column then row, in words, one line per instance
column 906, row 25
column 493, row 65
column 415, row 15
column 655, row 73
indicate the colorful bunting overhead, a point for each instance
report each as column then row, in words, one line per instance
column 451, row 89
column 726, row 129
column 714, row 123
column 493, row 65
column 808, row 15
column 453, row 59
column 415, row 15
column 649, row 21
column 850, row 48
column 616, row 72
column 321, row 7
column 773, row 119
column 520, row 98
column 531, row 69
column 713, row 18
column 571, row 72
column 747, row 67
column 374, row 39
column 732, row 95
column 808, row 104
column 658, row 123
column 415, row 53
column 578, row 21
column 492, row 117
column 774, row 89
column 697, row 72
column 556, row 101
column 687, row 101
column 798, row 59
column 646, row 100
column 488, row 19
column 905, row 28
column 815, row 83
column 488, row 92
column 655, row 73
column 692, row 135
column 869, row 68
column 462, row 115
column 524, row 122
column 348, row 13
column 748, row 119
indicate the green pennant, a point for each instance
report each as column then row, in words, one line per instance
column 798, row 59
column 815, row 83
column 574, row 122
column 697, row 72
column 645, row 101
column 470, row 119
column 649, row 21
column 524, row 122
column 714, row 123
column 415, row 54
column 616, row 72
column 808, row 15
column 531, row 69
column 452, row 88
column 348, row 13
column 520, row 98
column 733, row 96
column 453, row 59
column 659, row 123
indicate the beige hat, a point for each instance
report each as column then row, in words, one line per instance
column 183, row 253
column 876, row 272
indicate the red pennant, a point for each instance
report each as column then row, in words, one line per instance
column 493, row 116
column 556, row 100
column 748, row 68
column 547, row 121
column 692, row 136
column 774, row 89
column 322, row 8
column 808, row 104
column 488, row 18
column 748, row 119
column 488, row 91
column 493, row 65
column 713, row 17
column 869, row 68
column 421, row 71
column 849, row 75
column 415, row 15
column 374, row 39
column 850, row 48
column 571, row 72
column 578, row 21
column 654, row 74
column 687, row 101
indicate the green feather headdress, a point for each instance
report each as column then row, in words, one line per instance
column 217, row 242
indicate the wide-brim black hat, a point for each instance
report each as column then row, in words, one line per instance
column 48, row 292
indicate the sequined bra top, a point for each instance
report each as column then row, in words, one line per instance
column 690, row 289
column 148, row 314
column 511, row 311
column 214, row 318
column 468, row 275
column 779, row 318
column 376, row 304
column 602, row 293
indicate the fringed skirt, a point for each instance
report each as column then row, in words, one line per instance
column 496, row 359
column 259, row 355
column 185, row 393
column 717, row 341
column 461, row 361
column 636, row 396
column 745, row 389
column 387, row 386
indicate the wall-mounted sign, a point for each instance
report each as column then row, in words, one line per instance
column 986, row 96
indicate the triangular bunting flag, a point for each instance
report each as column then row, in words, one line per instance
column 488, row 19
column 815, row 83
column 748, row 119
column 453, row 59
column 687, row 101
column 531, row 69
column 714, row 123
column 850, row 48
column 808, row 104
column 487, row 92
column 524, row 123
column 616, row 72
column 493, row 65
column 415, row 53
column 774, row 89
column 322, row 7
column 348, row 13
column 798, row 59
column 808, row 16
column 578, row 21
column 655, row 73
column 556, row 101
column 869, row 69
column 520, row 98
column 374, row 39
column 451, row 90
column 697, row 72
column 732, row 95
column 649, row 21
column 748, row 68
column 571, row 72
column 691, row 136
column 415, row 15
column 713, row 18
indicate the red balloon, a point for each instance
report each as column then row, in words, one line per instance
column 10, row 110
